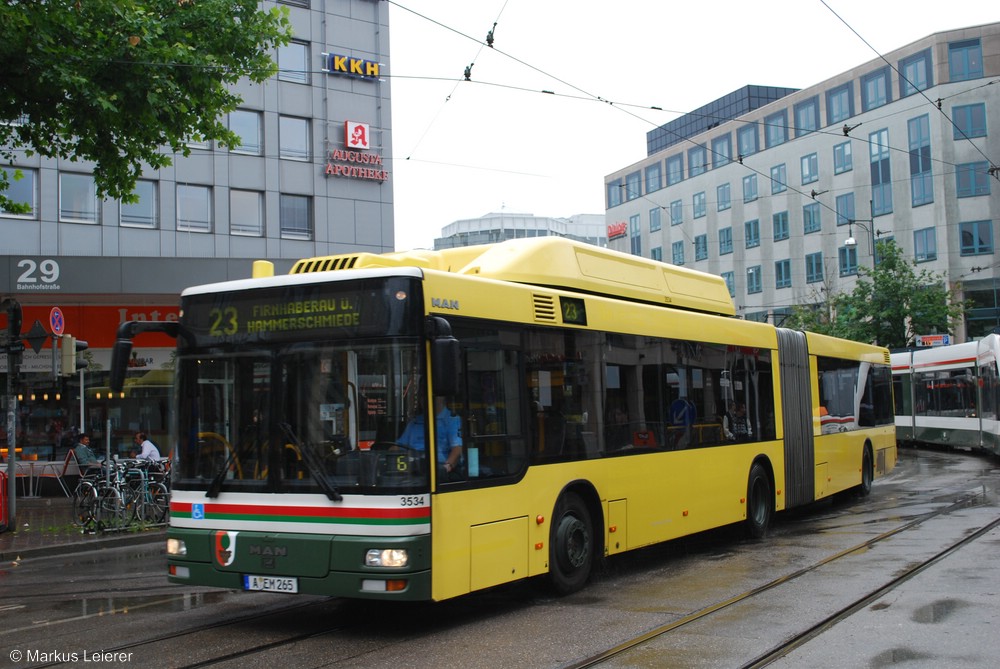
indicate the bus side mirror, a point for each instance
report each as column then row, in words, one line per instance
column 120, row 355
column 445, row 365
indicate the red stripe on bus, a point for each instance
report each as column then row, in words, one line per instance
column 306, row 511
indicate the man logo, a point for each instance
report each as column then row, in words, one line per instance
column 224, row 547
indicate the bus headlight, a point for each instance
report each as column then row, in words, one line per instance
column 386, row 557
column 176, row 547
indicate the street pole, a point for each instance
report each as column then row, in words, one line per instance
column 81, row 403
column 11, row 450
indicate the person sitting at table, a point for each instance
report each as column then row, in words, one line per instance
column 85, row 455
column 147, row 449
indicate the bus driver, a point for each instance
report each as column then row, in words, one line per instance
column 447, row 429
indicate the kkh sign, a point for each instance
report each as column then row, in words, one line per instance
column 335, row 63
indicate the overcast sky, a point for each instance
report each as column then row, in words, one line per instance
column 463, row 149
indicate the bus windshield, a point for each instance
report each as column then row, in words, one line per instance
column 301, row 417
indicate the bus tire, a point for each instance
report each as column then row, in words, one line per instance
column 760, row 502
column 571, row 545
column 867, row 472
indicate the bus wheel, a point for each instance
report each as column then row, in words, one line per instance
column 760, row 502
column 867, row 472
column 571, row 545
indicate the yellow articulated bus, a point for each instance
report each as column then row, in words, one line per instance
column 418, row 426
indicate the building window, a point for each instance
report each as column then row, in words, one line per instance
column 654, row 219
column 972, row 179
column 635, row 235
column 875, row 89
column 976, row 237
column 142, row 213
column 746, row 137
column 814, row 267
column 675, row 169
column 847, row 260
column 677, row 252
column 676, row 212
column 77, row 198
column 776, row 129
column 699, row 205
column 878, row 146
column 194, row 208
column 965, row 60
column 246, row 213
column 842, row 159
column 783, row 274
column 750, row 188
column 807, row 117
column 754, row 282
column 840, row 103
column 197, row 143
column 295, row 214
column 722, row 151
column 697, row 161
column 293, row 62
column 728, row 277
column 246, row 124
column 924, row 245
column 293, row 138
column 969, row 120
column 810, row 168
column 810, row 218
column 723, row 196
column 845, row 209
column 921, row 182
column 915, row 73
column 701, row 247
column 614, row 189
column 779, row 221
column 654, row 177
column 725, row 241
column 21, row 191
column 656, row 253
column 751, row 232
column 633, row 186
column 779, row 179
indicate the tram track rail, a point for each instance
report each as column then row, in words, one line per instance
column 797, row 640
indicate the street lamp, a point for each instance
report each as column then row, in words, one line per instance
column 851, row 242
column 870, row 229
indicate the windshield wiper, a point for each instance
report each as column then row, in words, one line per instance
column 220, row 476
column 315, row 470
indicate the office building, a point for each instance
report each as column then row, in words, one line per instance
column 902, row 147
column 312, row 176
column 500, row 226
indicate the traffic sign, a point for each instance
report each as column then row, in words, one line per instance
column 56, row 321
column 37, row 336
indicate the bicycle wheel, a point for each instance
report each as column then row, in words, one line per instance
column 156, row 504
column 112, row 511
column 84, row 509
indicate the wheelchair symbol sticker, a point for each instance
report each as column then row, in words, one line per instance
column 197, row 512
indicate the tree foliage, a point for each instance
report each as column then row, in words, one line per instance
column 889, row 305
column 122, row 82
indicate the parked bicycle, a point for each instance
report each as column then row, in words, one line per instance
column 129, row 492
